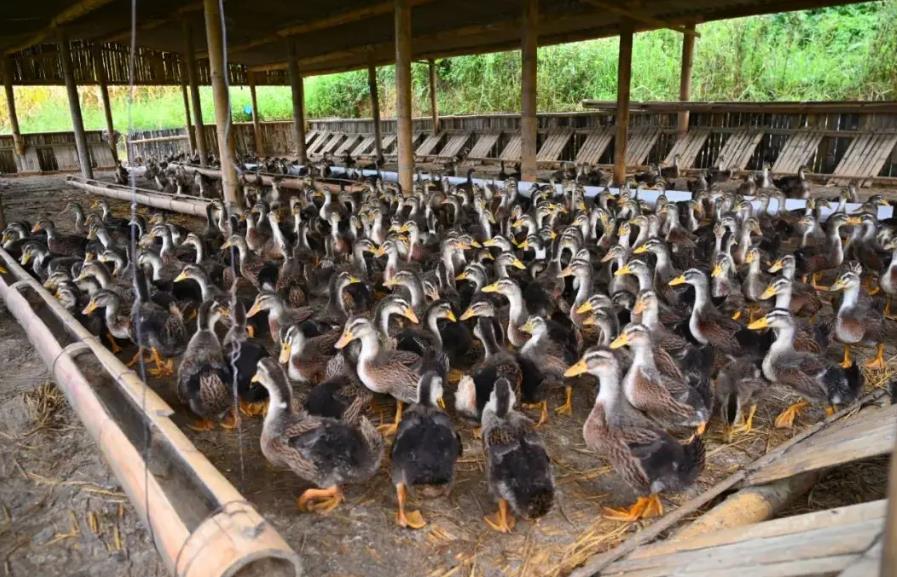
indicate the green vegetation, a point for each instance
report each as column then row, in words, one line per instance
column 839, row 53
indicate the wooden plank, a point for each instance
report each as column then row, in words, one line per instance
column 594, row 146
column 738, row 149
column 837, row 517
column 426, row 148
column 348, row 143
column 389, row 140
column 855, row 150
column 511, row 153
column 320, row 142
column 554, row 145
column 797, row 151
column 867, row 563
column 310, row 137
column 364, row 146
column 454, row 145
column 687, row 147
column 333, row 143
column 483, row 146
column 641, row 141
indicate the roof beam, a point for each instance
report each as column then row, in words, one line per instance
column 70, row 14
column 640, row 17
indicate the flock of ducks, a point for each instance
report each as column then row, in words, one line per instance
column 678, row 311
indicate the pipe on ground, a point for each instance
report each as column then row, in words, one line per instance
column 201, row 525
column 176, row 203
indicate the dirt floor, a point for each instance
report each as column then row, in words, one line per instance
column 51, row 479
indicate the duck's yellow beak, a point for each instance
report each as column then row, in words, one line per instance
column 285, row 352
column 620, row 341
column 91, row 306
column 749, row 258
column 250, row 331
column 678, row 280
column 759, row 324
column 624, row 270
column 227, row 244
column 468, row 314
column 26, row 258
column 256, row 378
column 354, row 280
column 462, row 276
column 576, row 369
column 449, row 315
column 640, row 249
column 490, row 242
column 254, row 310
column 181, row 277
column 584, row 308
column 854, row 220
column 768, row 293
column 589, row 321
column 717, row 271
column 518, row 264
column 639, row 307
column 776, row 266
column 346, row 338
column 567, row 271
column 408, row 313
column 527, row 327
column 523, row 245
column 838, row 285
column 490, row 288
column 378, row 251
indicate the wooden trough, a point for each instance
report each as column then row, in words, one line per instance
column 201, row 525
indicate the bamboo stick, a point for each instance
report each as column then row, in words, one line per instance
column 256, row 127
column 193, row 80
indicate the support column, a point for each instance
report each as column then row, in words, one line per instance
column 434, row 111
column 256, row 124
column 688, row 52
column 17, row 139
column 529, row 122
column 624, row 73
column 71, row 88
column 193, row 80
column 100, row 75
column 188, row 122
column 218, row 76
column 375, row 110
column 298, row 102
column 403, row 94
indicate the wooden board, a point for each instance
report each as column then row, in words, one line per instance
column 388, row 142
column 310, row 137
column 333, row 143
column 554, row 144
column 641, row 141
column 797, row 151
column 454, row 145
column 867, row 564
column 363, row 147
column 511, row 153
column 864, row 158
column 484, row 146
column 687, row 147
column 348, row 144
column 870, row 434
column 738, row 149
column 594, row 146
column 320, row 142
column 428, row 145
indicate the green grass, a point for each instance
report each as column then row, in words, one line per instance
column 838, row 53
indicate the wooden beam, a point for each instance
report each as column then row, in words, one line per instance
column 70, row 14
column 18, row 141
column 889, row 554
column 403, row 95
column 193, row 80
column 688, row 53
column 71, row 89
column 215, row 42
column 375, row 110
column 624, row 75
column 256, row 124
column 529, row 122
column 434, row 111
column 298, row 95
column 638, row 16
column 100, row 75
column 188, row 122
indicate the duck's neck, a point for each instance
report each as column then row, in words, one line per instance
column 642, row 357
column 851, row 297
column 609, row 388
column 783, row 297
column 584, row 278
column 279, row 406
column 370, row 348
column 433, row 325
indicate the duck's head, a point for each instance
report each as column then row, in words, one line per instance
column 595, row 302
column 508, row 259
column 535, row 325
column 101, row 299
column 264, row 301
column 646, row 299
column 480, row 308
column 634, row 335
column 356, row 328
column 429, row 390
column 776, row 287
column 774, row 319
column 633, row 267
column 502, row 399
column 596, row 361
column 723, row 266
column 269, row 374
column 692, row 276
column 783, row 262
column 846, row 280
column 190, row 271
column 503, row 286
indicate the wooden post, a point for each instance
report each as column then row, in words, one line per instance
column 71, row 88
column 529, row 122
column 256, row 124
column 100, row 75
column 888, row 553
column 298, row 102
column 624, row 74
column 218, row 76
column 17, row 139
column 189, row 123
column 434, row 111
column 688, row 52
column 403, row 95
column 375, row 109
column 193, row 79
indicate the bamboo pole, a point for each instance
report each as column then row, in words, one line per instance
column 193, row 80
column 188, row 122
column 256, row 125
column 214, row 40
column 71, row 88
column 375, row 110
column 403, row 95
column 298, row 94
column 18, row 141
column 434, row 111
column 624, row 75
column 99, row 71
column 529, row 122
column 688, row 53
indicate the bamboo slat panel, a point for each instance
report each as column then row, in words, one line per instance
column 554, row 144
column 454, row 145
column 389, row 141
column 864, row 158
column 319, row 143
column 594, row 146
column 333, row 143
column 364, row 146
column 348, row 144
column 429, row 145
column 688, row 147
column 484, row 146
column 641, row 141
column 797, row 151
column 511, row 153
column 738, row 149
column 310, row 137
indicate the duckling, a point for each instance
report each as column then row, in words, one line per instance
column 735, row 386
column 802, row 300
column 204, row 378
column 163, row 330
column 707, row 324
column 856, row 320
column 647, row 457
column 518, row 469
column 550, row 348
column 425, row 450
column 306, row 357
column 325, row 452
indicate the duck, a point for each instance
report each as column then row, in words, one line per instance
column 706, row 324
column 325, row 452
column 808, row 374
column 648, row 458
column 856, row 320
column 306, row 357
column 425, row 450
column 518, row 469
column 163, row 330
column 551, row 349
column 242, row 355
